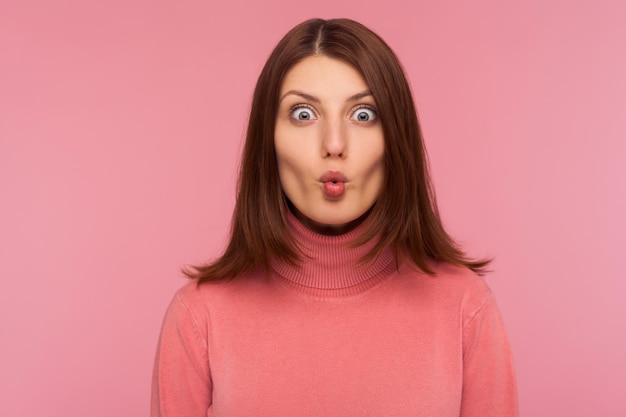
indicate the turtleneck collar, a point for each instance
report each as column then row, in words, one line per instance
column 330, row 265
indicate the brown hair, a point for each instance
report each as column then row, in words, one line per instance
column 405, row 215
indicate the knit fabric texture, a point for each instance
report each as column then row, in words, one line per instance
column 335, row 337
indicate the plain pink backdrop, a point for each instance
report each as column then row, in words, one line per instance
column 120, row 128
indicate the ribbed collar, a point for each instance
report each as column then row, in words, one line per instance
column 329, row 265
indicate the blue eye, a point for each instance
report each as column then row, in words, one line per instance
column 302, row 114
column 364, row 114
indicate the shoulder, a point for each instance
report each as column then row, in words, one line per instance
column 194, row 293
column 473, row 292
column 199, row 298
column 452, row 287
column 189, row 312
column 460, row 277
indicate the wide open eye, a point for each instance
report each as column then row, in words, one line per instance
column 364, row 114
column 302, row 114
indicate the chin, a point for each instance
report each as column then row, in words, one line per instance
column 334, row 217
column 340, row 218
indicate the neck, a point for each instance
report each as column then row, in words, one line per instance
column 328, row 229
column 331, row 264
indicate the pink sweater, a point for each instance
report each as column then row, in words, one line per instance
column 335, row 339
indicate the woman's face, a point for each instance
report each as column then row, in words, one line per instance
column 329, row 143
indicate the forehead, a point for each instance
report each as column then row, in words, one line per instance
column 320, row 75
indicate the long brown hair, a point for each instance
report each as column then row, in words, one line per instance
column 405, row 216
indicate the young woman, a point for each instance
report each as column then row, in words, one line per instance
column 339, row 293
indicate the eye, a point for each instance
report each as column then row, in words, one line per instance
column 302, row 113
column 364, row 114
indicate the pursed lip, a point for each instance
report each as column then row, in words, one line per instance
column 333, row 176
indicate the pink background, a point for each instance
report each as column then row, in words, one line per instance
column 120, row 129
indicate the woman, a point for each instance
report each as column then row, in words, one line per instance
column 339, row 293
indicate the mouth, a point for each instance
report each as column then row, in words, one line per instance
column 333, row 177
column 334, row 184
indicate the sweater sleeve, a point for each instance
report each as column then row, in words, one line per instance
column 489, row 388
column 181, row 382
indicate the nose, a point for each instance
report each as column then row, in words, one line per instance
column 333, row 140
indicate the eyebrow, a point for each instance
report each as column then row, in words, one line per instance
column 355, row 97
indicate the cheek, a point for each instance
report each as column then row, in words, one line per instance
column 375, row 171
column 286, row 156
column 294, row 150
column 375, row 179
column 375, row 157
column 291, row 167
